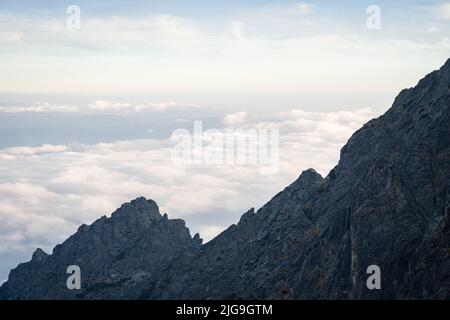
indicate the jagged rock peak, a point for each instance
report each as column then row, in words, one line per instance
column 142, row 202
column 138, row 206
column 310, row 175
column 134, row 215
column 39, row 255
column 247, row 215
column 429, row 90
column 308, row 180
column 197, row 240
column 446, row 65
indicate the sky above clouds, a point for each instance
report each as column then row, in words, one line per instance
column 86, row 115
column 199, row 47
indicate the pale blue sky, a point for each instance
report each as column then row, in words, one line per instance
column 219, row 47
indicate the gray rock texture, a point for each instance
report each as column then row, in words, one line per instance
column 112, row 253
column 386, row 203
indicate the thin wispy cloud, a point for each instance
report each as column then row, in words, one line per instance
column 293, row 9
column 98, row 106
column 444, row 11
column 275, row 48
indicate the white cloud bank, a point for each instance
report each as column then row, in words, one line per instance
column 235, row 118
column 46, row 192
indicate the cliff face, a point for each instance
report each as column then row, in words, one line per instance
column 386, row 203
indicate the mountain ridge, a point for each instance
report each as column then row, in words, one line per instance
column 386, row 203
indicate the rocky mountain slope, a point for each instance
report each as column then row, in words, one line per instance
column 112, row 253
column 386, row 203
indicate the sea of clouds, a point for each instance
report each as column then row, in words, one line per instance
column 48, row 190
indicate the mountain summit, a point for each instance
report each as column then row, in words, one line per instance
column 386, row 203
column 112, row 253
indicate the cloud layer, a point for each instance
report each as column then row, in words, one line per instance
column 46, row 192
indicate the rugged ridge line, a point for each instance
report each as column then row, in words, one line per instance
column 112, row 253
column 387, row 202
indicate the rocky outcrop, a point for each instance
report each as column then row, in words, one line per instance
column 112, row 253
column 386, row 203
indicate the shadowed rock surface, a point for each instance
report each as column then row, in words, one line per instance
column 386, row 203
column 112, row 253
